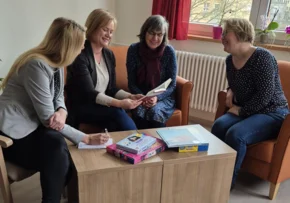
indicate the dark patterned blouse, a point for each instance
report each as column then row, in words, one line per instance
column 256, row 86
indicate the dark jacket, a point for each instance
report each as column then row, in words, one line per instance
column 82, row 76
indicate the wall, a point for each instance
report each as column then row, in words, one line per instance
column 130, row 14
column 23, row 24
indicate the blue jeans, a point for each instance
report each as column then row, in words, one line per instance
column 112, row 118
column 238, row 132
column 142, row 123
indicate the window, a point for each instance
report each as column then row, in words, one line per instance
column 201, row 22
column 231, row 8
column 283, row 15
column 206, row 7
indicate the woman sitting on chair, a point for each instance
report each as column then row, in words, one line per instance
column 33, row 113
column 256, row 101
column 91, row 81
column 150, row 63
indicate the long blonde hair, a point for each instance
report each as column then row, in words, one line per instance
column 98, row 18
column 59, row 48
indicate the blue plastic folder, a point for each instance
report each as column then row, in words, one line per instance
column 179, row 137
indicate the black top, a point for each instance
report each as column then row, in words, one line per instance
column 256, row 86
column 82, row 76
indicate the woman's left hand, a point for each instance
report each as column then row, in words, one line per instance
column 148, row 103
column 234, row 110
column 57, row 120
column 136, row 96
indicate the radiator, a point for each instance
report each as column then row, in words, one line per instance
column 208, row 74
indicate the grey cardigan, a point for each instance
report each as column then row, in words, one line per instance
column 28, row 101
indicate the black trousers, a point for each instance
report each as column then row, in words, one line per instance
column 43, row 150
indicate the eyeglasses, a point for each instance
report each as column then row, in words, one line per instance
column 224, row 33
column 159, row 35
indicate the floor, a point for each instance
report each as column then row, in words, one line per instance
column 249, row 189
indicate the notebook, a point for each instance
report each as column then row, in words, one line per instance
column 180, row 137
column 82, row 145
column 158, row 90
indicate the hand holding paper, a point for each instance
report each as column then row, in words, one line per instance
column 157, row 91
column 98, row 138
column 82, row 145
column 136, row 96
column 150, row 102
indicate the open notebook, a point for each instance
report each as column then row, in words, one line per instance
column 158, row 90
column 82, row 145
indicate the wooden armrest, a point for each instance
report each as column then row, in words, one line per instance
column 183, row 94
column 222, row 108
column 281, row 156
column 5, row 141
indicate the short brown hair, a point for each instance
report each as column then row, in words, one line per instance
column 154, row 23
column 243, row 29
column 98, row 18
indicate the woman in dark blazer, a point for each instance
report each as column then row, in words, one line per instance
column 91, row 80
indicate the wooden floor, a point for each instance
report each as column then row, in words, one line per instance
column 249, row 189
column 27, row 191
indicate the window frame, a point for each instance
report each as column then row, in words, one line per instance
column 259, row 7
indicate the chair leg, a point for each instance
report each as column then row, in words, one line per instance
column 273, row 190
column 4, row 182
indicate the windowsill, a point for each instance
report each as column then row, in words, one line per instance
column 267, row 46
column 204, row 38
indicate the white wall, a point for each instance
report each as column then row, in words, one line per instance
column 131, row 14
column 23, row 23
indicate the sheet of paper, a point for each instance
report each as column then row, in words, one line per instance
column 82, row 145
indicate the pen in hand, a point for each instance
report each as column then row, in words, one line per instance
column 107, row 133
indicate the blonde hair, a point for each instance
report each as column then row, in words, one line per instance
column 243, row 29
column 59, row 48
column 98, row 18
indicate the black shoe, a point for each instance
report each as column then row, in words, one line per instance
column 232, row 187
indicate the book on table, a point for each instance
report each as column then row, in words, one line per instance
column 156, row 148
column 184, row 139
column 158, row 90
column 194, row 148
column 136, row 143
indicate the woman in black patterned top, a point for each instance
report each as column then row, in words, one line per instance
column 255, row 96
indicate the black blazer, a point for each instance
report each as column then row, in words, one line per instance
column 82, row 76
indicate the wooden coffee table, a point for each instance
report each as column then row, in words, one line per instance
column 168, row 177
column 103, row 178
column 197, row 177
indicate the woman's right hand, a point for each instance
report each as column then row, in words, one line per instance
column 96, row 138
column 129, row 103
column 229, row 98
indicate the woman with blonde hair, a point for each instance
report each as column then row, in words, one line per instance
column 91, row 80
column 256, row 101
column 32, row 109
